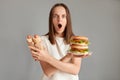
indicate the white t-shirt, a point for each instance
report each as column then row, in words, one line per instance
column 59, row 75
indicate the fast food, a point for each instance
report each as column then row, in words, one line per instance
column 81, row 40
column 35, row 41
column 30, row 41
column 79, row 45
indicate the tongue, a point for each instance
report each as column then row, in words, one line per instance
column 59, row 25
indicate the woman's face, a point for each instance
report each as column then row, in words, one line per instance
column 59, row 20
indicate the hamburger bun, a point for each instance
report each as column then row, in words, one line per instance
column 79, row 40
column 79, row 37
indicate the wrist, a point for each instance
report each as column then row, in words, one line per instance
column 49, row 59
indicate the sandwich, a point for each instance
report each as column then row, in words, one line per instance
column 79, row 45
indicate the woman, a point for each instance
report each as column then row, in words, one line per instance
column 56, row 63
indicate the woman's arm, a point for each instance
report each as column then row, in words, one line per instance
column 42, row 55
column 73, row 67
column 49, row 70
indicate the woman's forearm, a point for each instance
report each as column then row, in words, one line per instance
column 49, row 70
column 72, row 68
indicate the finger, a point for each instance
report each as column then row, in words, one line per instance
column 69, row 54
column 90, row 53
column 34, row 49
column 82, row 56
column 36, row 59
column 86, row 55
column 35, row 53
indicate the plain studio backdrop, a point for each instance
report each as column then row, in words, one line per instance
column 99, row 20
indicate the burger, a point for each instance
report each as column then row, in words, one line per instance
column 79, row 45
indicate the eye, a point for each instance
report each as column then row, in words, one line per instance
column 63, row 16
column 55, row 16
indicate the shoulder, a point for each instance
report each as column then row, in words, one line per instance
column 44, row 37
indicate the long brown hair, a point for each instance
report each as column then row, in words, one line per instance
column 68, row 29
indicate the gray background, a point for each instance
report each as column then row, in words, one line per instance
column 97, row 19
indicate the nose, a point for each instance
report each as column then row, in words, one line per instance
column 59, row 19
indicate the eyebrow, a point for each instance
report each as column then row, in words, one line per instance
column 57, row 14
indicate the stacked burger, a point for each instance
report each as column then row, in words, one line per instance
column 79, row 45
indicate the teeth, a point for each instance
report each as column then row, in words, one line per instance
column 59, row 25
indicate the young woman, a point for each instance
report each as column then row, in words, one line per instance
column 56, row 62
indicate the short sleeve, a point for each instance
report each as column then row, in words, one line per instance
column 43, row 38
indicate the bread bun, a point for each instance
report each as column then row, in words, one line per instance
column 29, row 40
column 37, row 42
column 79, row 40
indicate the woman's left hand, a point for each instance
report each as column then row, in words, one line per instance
column 83, row 56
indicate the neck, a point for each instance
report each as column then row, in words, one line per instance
column 59, row 35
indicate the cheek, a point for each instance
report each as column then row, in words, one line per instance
column 65, row 22
column 55, row 27
column 64, row 27
column 54, row 22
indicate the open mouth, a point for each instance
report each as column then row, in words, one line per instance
column 59, row 25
